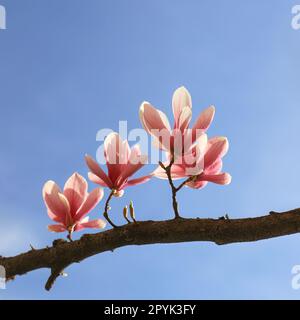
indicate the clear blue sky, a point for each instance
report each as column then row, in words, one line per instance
column 69, row 68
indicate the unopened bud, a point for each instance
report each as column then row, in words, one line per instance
column 125, row 212
column 131, row 210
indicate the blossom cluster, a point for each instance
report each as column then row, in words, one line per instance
column 190, row 155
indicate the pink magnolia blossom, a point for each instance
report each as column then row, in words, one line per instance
column 181, row 138
column 70, row 207
column 208, row 163
column 122, row 162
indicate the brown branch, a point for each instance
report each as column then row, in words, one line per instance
column 174, row 189
column 220, row 231
column 185, row 182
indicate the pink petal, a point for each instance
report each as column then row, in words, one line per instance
column 136, row 156
column 113, row 148
column 153, row 120
column 177, row 172
column 215, row 168
column 55, row 218
column 131, row 169
column 78, row 226
column 96, row 179
column 184, row 118
column 181, row 99
column 126, row 151
column 162, row 139
column 157, row 142
column 58, row 204
column 56, row 228
column 95, row 224
column 221, row 178
column 194, row 169
column 114, row 172
column 135, row 152
column 66, row 204
column 201, row 143
column 198, row 150
column 197, row 184
column 51, row 187
column 192, row 160
column 90, row 203
column 137, row 181
column 216, row 151
column 160, row 173
column 114, row 154
column 177, row 143
column 95, row 169
column 205, row 118
column 75, row 191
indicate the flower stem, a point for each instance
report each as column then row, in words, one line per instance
column 173, row 187
column 69, row 236
column 184, row 183
column 107, row 208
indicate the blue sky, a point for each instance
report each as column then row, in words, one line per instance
column 69, row 68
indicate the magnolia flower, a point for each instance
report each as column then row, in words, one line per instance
column 70, row 207
column 122, row 162
column 208, row 164
column 180, row 139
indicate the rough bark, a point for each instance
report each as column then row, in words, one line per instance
column 221, row 231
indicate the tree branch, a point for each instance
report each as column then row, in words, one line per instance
column 220, row 231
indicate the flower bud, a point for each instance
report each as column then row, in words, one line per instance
column 131, row 210
column 118, row 193
column 125, row 212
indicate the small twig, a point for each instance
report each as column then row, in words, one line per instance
column 107, row 208
column 184, row 183
column 173, row 188
column 55, row 273
column 128, row 221
column 69, row 236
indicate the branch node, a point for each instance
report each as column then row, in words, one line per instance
column 55, row 273
column 225, row 217
column 162, row 165
column 58, row 242
column 273, row 212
